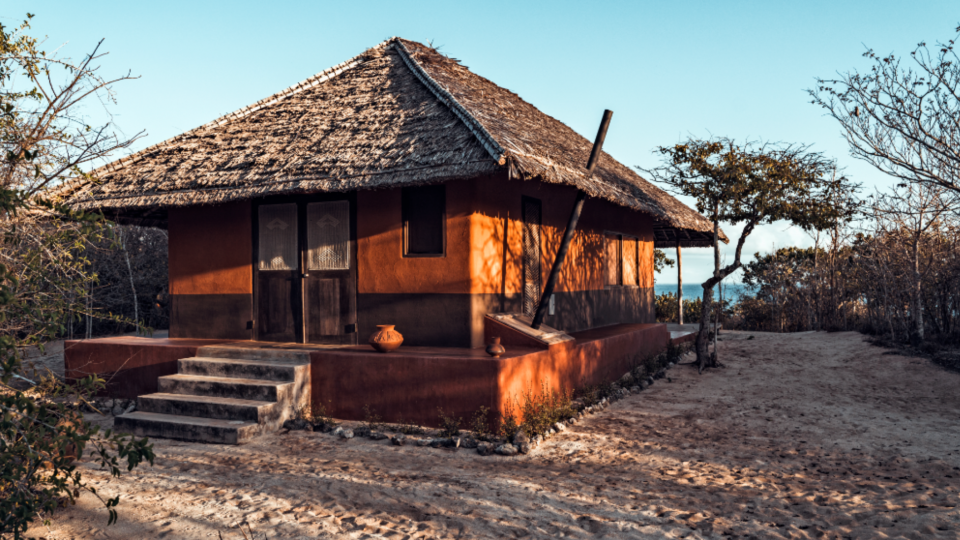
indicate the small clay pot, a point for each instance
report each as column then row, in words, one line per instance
column 385, row 339
column 495, row 349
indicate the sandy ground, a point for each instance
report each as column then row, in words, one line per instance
column 801, row 436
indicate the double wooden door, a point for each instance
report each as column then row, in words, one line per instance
column 305, row 270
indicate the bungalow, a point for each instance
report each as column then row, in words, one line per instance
column 395, row 188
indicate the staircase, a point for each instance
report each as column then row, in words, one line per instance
column 224, row 395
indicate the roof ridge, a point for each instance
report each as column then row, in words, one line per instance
column 496, row 151
column 242, row 112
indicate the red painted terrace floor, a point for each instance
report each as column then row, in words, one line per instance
column 406, row 385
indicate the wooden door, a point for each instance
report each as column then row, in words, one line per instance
column 278, row 273
column 329, row 284
column 306, row 271
column 532, row 275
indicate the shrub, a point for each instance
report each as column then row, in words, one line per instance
column 449, row 426
column 319, row 414
column 371, row 420
column 666, row 308
column 508, row 426
column 591, row 395
column 540, row 411
column 480, row 423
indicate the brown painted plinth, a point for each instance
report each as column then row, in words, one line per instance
column 410, row 383
column 406, row 385
column 130, row 365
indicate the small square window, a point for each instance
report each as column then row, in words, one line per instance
column 424, row 214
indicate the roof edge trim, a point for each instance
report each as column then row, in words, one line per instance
column 497, row 152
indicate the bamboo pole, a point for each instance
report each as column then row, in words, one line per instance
column 571, row 225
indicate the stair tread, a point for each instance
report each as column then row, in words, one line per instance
column 230, row 380
column 249, row 362
column 189, row 420
column 208, row 399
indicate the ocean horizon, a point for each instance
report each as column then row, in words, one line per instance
column 692, row 291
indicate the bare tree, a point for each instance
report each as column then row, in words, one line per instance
column 908, row 214
column 44, row 279
column 902, row 116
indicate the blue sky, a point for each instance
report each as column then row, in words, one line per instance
column 668, row 70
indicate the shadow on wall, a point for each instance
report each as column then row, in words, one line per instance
column 581, row 300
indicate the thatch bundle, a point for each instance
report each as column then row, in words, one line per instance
column 399, row 114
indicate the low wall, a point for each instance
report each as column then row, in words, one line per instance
column 409, row 384
column 130, row 365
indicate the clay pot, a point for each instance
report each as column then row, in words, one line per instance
column 495, row 349
column 385, row 339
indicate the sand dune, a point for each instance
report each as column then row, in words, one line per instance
column 801, row 436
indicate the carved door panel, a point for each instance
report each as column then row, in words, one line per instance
column 306, row 272
column 278, row 272
column 329, row 298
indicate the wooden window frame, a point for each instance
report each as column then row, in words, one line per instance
column 406, row 232
column 620, row 259
column 636, row 255
column 606, row 259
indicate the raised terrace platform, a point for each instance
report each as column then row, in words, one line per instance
column 407, row 385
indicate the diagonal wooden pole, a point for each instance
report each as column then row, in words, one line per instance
column 571, row 225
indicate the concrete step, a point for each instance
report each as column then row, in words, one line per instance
column 294, row 356
column 228, row 387
column 262, row 412
column 188, row 428
column 241, row 368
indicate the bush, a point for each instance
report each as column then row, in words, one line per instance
column 666, row 308
column 542, row 410
column 508, row 426
column 371, row 420
column 449, row 426
column 480, row 423
column 319, row 415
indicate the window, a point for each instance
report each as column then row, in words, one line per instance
column 631, row 267
column 423, row 213
column 612, row 256
column 621, row 260
column 278, row 248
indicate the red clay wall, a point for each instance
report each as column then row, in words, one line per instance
column 130, row 365
column 427, row 298
column 211, row 271
column 433, row 301
column 406, row 385
column 409, row 384
column 497, row 207
column 582, row 298
column 441, row 301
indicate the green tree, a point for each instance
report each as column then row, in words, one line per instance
column 752, row 184
column 661, row 261
column 43, row 278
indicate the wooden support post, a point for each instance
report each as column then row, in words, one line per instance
column 571, row 225
column 679, row 283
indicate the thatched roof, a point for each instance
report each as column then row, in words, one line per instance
column 399, row 114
